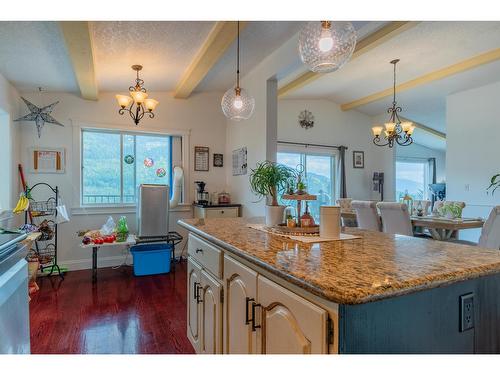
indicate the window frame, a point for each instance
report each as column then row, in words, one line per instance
column 117, row 208
column 414, row 160
column 316, row 151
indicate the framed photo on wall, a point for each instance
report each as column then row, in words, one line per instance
column 218, row 160
column 47, row 160
column 358, row 159
column 201, row 158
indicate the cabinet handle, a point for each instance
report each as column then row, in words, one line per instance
column 247, row 319
column 195, row 290
column 198, row 295
column 199, row 251
column 254, row 306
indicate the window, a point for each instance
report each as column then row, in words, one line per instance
column 319, row 173
column 412, row 177
column 115, row 163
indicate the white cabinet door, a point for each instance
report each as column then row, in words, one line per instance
column 240, row 288
column 211, row 315
column 193, row 305
column 290, row 324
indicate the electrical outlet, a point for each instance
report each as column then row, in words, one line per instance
column 466, row 312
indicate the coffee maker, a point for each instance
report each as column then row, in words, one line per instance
column 202, row 196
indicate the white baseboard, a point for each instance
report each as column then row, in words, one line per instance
column 102, row 262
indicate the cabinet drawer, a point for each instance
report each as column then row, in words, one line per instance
column 206, row 254
column 221, row 212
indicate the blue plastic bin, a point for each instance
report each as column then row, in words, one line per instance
column 151, row 259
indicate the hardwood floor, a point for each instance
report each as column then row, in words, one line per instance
column 121, row 313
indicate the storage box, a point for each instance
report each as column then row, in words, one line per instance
column 151, row 259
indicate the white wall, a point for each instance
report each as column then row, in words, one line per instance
column 419, row 151
column 10, row 148
column 473, row 149
column 253, row 133
column 200, row 113
column 332, row 126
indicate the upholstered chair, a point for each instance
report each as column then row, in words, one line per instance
column 366, row 215
column 345, row 204
column 426, row 204
column 395, row 218
column 490, row 234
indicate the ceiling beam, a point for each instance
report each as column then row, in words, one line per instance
column 79, row 45
column 427, row 129
column 218, row 41
column 448, row 71
column 382, row 35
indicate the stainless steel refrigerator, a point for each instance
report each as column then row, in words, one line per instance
column 152, row 211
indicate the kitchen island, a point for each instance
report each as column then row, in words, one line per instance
column 255, row 292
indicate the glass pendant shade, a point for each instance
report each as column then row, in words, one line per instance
column 150, row 104
column 325, row 46
column 124, row 100
column 237, row 104
column 138, row 96
column 377, row 130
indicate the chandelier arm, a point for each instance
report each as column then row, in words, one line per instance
column 377, row 141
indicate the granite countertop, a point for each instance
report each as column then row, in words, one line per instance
column 373, row 267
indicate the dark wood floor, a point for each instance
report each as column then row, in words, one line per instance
column 121, row 313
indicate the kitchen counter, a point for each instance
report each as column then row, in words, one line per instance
column 375, row 267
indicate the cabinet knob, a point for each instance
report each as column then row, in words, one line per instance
column 222, row 212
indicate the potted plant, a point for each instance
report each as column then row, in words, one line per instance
column 494, row 183
column 269, row 180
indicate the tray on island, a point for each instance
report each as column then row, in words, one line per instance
column 296, row 231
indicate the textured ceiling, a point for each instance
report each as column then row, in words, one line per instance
column 165, row 49
column 32, row 55
column 257, row 40
column 425, row 48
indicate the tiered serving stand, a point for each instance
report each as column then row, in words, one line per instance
column 298, row 230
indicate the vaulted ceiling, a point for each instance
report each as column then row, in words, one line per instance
column 186, row 57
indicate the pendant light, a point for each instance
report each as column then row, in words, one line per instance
column 396, row 131
column 237, row 104
column 325, row 46
column 137, row 105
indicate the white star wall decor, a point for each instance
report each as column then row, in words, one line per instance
column 39, row 115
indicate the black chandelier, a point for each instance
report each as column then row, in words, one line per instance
column 396, row 131
column 139, row 98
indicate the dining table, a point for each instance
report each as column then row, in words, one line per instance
column 440, row 228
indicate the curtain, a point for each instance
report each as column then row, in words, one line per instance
column 432, row 170
column 342, row 179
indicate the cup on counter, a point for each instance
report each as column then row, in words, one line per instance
column 329, row 222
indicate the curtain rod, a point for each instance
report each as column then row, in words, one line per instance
column 310, row 145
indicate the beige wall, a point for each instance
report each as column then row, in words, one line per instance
column 200, row 115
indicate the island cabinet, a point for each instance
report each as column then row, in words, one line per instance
column 233, row 309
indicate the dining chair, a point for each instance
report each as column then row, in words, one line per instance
column 366, row 215
column 490, row 233
column 345, row 204
column 426, row 204
column 439, row 204
column 395, row 218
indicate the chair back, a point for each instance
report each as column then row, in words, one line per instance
column 395, row 218
column 345, row 204
column 439, row 204
column 366, row 215
column 490, row 234
column 426, row 204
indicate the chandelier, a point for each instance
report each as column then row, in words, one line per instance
column 325, row 46
column 396, row 131
column 138, row 98
column 237, row 104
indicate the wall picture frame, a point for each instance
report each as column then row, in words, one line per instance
column 201, row 158
column 358, row 159
column 47, row 160
column 218, row 160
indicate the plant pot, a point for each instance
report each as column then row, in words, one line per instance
column 274, row 215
